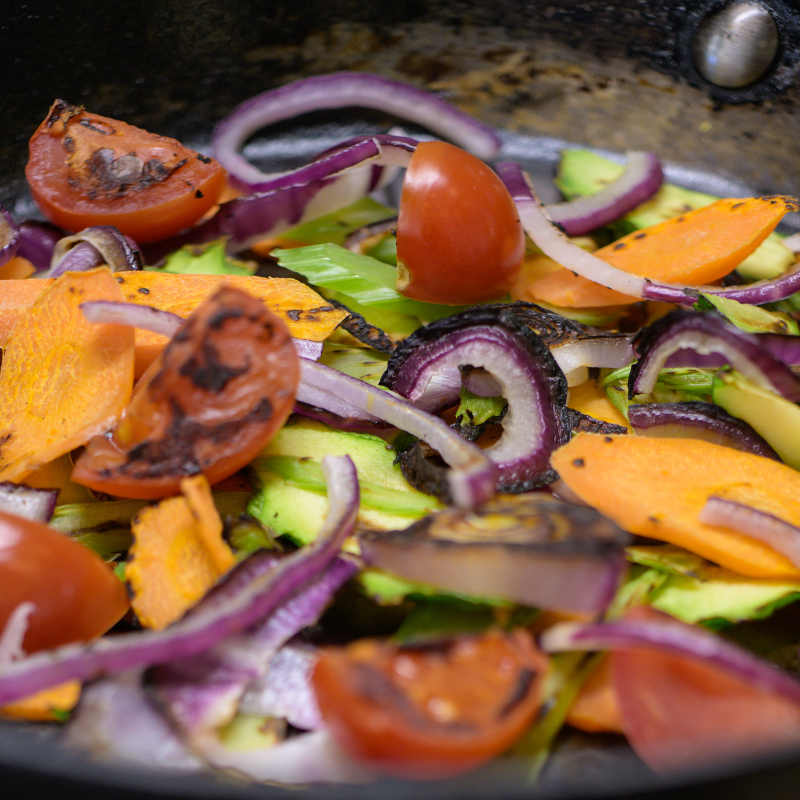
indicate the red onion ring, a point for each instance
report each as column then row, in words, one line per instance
column 13, row 633
column 707, row 333
column 36, row 242
column 339, row 90
column 777, row 533
column 472, row 474
column 641, row 179
column 554, row 244
column 232, row 606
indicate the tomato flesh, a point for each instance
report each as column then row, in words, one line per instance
column 214, row 397
column 680, row 713
column 76, row 595
column 430, row 711
column 459, row 238
column 84, row 169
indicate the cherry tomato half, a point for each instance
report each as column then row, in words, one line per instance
column 84, row 169
column 459, row 238
column 75, row 594
column 220, row 389
column 434, row 710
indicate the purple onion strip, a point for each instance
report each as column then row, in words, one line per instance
column 340, row 90
column 203, row 692
column 221, row 615
column 9, row 237
column 700, row 421
column 641, row 179
column 673, row 637
column 316, row 189
column 777, row 533
column 472, row 474
column 166, row 323
column 554, row 244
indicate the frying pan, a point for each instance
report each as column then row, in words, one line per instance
column 618, row 75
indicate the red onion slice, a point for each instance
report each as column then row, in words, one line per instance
column 231, row 607
column 166, row 323
column 9, row 237
column 316, row 189
column 203, row 692
column 472, row 475
column 28, row 502
column 660, row 632
column 698, row 421
column 793, row 242
column 553, row 243
column 641, row 179
column 686, row 697
column 101, row 244
column 340, row 90
column 777, row 533
column 707, row 333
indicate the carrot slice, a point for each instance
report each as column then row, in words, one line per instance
column 63, row 379
column 307, row 314
column 657, row 487
column 589, row 398
column 45, row 706
column 595, row 708
column 18, row 268
column 696, row 248
column 177, row 555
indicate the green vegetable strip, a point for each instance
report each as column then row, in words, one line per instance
column 308, row 475
column 338, row 225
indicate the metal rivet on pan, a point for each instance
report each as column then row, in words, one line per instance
column 735, row 46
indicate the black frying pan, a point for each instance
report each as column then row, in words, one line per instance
column 610, row 75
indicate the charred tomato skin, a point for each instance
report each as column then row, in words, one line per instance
column 76, row 596
column 85, row 169
column 218, row 392
column 459, row 238
column 433, row 710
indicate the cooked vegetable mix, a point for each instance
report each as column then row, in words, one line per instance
column 371, row 519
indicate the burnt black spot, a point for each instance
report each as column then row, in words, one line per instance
column 320, row 309
column 59, row 107
column 143, row 290
column 578, row 462
column 518, row 693
column 97, row 126
column 198, row 194
column 736, row 205
column 209, row 372
column 639, row 235
column 619, row 246
column 220, row 317
column 204, row 159
column 681, row 219
column 608, row 439
column 69, row 144
column 294, row 314
column 654, row 520
column 120, row 280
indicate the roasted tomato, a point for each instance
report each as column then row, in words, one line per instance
column 432, row 710
column 209, row 403
column 459, row 238
column 75, row 594
column 84, row 169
